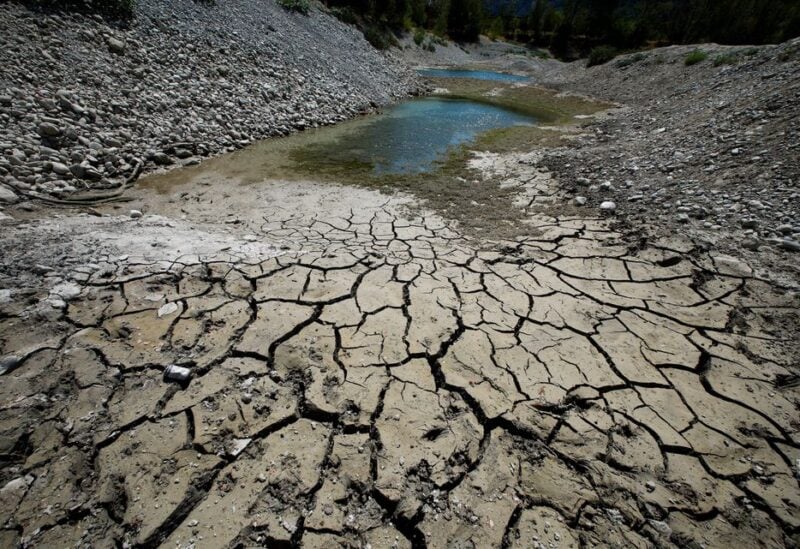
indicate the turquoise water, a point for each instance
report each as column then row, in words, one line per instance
column 412, row 136
column 477, row 75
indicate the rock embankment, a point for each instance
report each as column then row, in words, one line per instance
column 83, row 103
column 710, row 149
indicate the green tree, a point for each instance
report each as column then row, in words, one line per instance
column 464, row 19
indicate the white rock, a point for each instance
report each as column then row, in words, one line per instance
column 167, row 309
column 608, row 206
column 66, row 291
column 135, row 214
column 7, row 195
column 5, row 296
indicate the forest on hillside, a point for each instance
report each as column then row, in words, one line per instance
column 572, row 27
column 568, row 28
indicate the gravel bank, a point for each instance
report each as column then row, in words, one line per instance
column 82, row 103
column 709, row 150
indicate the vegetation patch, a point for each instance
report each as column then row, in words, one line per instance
column 545, row 105
column 300, row 6
column 601, row 55
column 725, row 59
column 695, row 57
column 631, row 60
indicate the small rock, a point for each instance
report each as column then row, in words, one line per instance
column 77, row 170
column 751, row 243
column 135, row 214
column 167, row 309
column 46, row 129
column 67, row 291
column 785, row 229
column 580, row 200
column 59, row 168
column 608, row 206
column 682, row 218
column 7, row 195
column 749, row 223
column 117, row 46
column 162, row 159
column 661, row 527
column 791, row 245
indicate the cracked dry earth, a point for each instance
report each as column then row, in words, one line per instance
column 365, row 376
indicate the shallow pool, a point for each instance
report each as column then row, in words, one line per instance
column 411, row 136
column 477, row 75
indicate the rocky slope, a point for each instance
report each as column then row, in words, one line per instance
column 82, row 103
column 709, row 149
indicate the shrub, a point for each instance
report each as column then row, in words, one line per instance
column 378, row 38
column 725, row 59
column 419, row 37
column 695, row 57
column 300, row 6
column 630, row 60
column 601, row 55
column 345, row 15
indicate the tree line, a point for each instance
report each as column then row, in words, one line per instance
column 461, row 20
column 572, row 27
column 578, row 25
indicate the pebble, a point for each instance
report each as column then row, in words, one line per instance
column 60, row 169
column 7, row 195
column 135, row 214
column 580, row 200
column 47, row 129
column 749, row 223
column 167, row 309
column 116, row 46
column 790, row 245
column 608, row 206
column 751, row 243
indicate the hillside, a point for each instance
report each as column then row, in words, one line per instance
column 83, row 103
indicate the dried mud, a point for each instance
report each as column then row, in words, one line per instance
column 364, row 375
